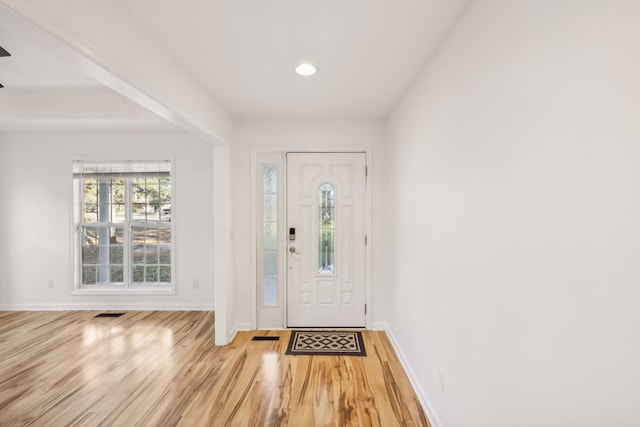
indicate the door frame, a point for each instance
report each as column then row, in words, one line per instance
column 256, row 153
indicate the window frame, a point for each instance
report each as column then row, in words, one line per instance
column 127, row 287
column 267, row 316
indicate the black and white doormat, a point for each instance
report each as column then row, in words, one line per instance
column 328, row 343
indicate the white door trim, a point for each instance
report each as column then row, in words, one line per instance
column 255, row 152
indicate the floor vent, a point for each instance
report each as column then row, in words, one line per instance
column 109, row 315
column 265, row 338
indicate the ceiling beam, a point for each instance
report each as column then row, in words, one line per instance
column 106, row 44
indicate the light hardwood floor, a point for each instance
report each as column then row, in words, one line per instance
column 162, row 369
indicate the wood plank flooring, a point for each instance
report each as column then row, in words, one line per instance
column 162, row 369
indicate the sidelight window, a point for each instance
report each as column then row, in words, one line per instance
column 270, row 235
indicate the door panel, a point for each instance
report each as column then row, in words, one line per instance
column 326, row 204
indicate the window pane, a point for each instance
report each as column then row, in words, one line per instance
column 270, row 290
column 151, row 274
column 138, row 254
column 270, row 207
column 326, row 236
column 89, row 254
column 117, row 274
column 101, row 249
column 152, row 253
column 165, row 191
column 90, row 198
column 117, row 255
column 138, row 191
column 270, row 174
column 139, row 212
column 270, row 235
column 270, row 262
column 138, row 274
column 90, row 212
column 165, row 255
column 104, row 200
column 153, row 213
column 165, row 214
column 151, row 199
column 118, row 213
column 164, row 235
column 137, row 235
column 117, row 235
column 89, row 275
column 150, row 236
column 165, row 274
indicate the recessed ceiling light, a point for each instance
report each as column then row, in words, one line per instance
column 306, row 69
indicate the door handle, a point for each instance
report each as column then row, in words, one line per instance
column 292, row 249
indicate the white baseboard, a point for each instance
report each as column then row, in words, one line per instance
column 107, row 306
column 422, row 397
column 380, row 326
column 237, row 328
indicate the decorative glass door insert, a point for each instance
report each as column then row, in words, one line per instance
column 326, row 231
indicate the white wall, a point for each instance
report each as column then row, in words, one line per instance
column 223, row 246
column 35, row 218
column 515, row 206
column 300, row 134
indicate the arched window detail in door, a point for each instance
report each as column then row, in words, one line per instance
column 326, row 231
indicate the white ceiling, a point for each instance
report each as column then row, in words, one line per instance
column 244, row 51
column 30, row 66
column 44, row 93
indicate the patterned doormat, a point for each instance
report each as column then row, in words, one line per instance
column 327, row 343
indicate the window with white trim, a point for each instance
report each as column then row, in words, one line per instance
column 123, row 225
column 270, row 235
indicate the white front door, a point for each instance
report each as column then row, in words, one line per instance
column 326, row 259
